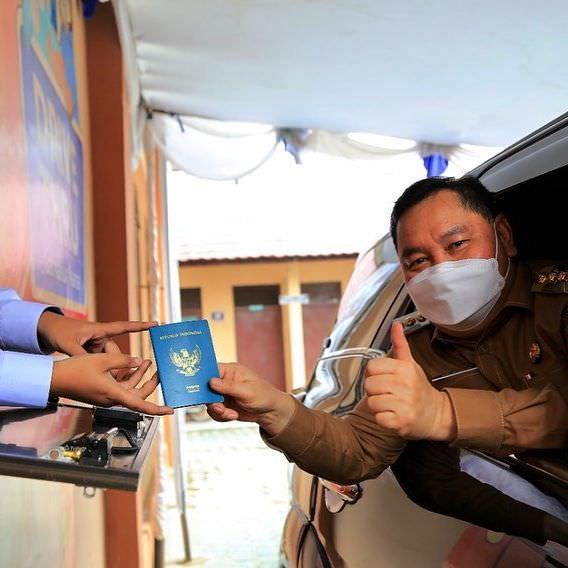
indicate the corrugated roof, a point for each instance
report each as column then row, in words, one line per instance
column 324, row 207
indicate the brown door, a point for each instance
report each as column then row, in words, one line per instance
column 190, row 304
column 259, row 332
column 318, row 318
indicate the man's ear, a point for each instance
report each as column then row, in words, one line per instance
column 505, row 233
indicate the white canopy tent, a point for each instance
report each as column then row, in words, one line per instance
column 445, row 73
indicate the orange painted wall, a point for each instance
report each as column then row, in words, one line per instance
column 14, row 242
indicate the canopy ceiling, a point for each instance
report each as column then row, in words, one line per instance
column 444, row 72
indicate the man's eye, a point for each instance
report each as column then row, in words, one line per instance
column 416, row 262
column 458, row 244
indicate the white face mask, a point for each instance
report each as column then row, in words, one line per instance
column 458, row 294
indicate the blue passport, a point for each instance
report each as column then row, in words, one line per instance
column 186, row 361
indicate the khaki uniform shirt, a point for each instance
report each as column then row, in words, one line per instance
column 508, row 388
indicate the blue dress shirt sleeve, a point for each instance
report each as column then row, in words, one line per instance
column 24, row 379
column 18, row 322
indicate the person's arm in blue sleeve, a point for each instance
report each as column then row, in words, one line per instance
column 25, row 379
column 19, row 323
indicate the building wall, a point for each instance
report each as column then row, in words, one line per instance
column 79, row 240
column 43, row 523
column 216, row 282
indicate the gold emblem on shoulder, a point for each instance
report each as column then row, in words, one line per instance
column 551, row 280
column 186, row 362
column 409, row 322
column 412, row 322
column 535, row 353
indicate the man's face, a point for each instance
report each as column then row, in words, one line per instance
column 441, row 229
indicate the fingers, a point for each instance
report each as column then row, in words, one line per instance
column 380, row 385
column 384, row 366
column 118, row 361
column 219, row 412
column 121, row 375
column 111, row 347
column 227, row 387
column 400, row 347
column 228, row 370
column 149, row 386
column 73, row 348
column 131, row 400
column 137, row 375
column 385, row 403
column 113, row 328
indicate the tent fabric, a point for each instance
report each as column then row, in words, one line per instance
column 220, row 150
column 212, row 149
column 481, row 73
column 136, row 107
column 344, row 146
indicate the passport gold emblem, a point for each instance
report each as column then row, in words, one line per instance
column 187, row 362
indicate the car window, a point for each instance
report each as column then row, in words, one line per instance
column 365, row 276
column 368, row 297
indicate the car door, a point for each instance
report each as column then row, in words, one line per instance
column 383, row 527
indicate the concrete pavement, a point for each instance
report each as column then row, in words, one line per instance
column 237, row 497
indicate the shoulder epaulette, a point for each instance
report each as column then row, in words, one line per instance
column 551, row 280
column 413, row 322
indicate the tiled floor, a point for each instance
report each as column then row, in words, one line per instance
column 237, row 497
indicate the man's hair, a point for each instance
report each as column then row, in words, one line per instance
column 472, row 193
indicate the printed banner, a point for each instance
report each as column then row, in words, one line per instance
column 55, row 181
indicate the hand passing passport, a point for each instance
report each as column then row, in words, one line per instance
column 96, row 372
column 89, row 378
column 250, row 399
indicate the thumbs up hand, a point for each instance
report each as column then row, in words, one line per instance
column 403, row 400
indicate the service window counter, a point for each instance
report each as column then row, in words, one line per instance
column 92, row 447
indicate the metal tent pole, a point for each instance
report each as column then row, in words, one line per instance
column 172, row 280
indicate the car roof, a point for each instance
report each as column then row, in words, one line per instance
column 540, row 152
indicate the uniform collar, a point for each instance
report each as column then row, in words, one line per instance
column 516, row 295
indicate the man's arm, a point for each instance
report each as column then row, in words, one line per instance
column 508, row 420
column 25, row 379
column 344, row 450
column 341, row 450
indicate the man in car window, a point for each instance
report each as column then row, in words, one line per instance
column 482, row 364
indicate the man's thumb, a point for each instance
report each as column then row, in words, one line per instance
column 400, row 347
column 224, row 386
